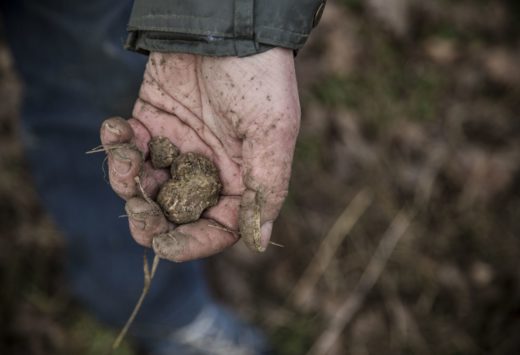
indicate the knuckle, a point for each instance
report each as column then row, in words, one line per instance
column 122, row 188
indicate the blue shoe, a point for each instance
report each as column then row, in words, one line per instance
column 214, row 331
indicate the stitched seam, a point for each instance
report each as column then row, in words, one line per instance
column 284, row 30
column 179, row 30
column 208, row 32
column 183, row 16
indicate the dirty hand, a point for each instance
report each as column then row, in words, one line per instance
column 242, row 113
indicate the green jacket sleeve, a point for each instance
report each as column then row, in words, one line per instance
column 221, row 27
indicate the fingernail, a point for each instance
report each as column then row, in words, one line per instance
column 170, row 245
column 249, row 221
column 265, row 232
column 120, row 164
column 113, row 129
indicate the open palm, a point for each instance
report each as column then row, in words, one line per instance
column 242, row 113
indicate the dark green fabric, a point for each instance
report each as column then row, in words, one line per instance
column 220, row 27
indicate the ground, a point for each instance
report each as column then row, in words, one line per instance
column 406, row 184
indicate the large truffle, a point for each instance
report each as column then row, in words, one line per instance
column 194, row 186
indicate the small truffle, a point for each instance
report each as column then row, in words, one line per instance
column 162, row 152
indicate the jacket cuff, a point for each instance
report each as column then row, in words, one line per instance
column 221, row 28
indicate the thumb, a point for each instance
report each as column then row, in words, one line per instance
column 266, row 169
column 255, row 235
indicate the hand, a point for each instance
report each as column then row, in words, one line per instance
column 242, row 113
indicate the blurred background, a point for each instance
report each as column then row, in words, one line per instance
column 401, row 231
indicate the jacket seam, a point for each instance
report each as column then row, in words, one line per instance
column 283, row 30
column 208, row 32
column 179, row 16
column 179, row 30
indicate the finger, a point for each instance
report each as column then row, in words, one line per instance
column 124, row 141
column 124, row 164
column 267, row 159
column 115, row 130
column 225, row 212
column 193, row 241
column 145, row 220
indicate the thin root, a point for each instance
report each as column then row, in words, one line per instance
column 143, row 215
column 145, row 195
column 276, row 244
column 109, row 147
column 148, row 274
column 103, row 169
column 238, row 234
column 148, row 277
column 225, row 229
